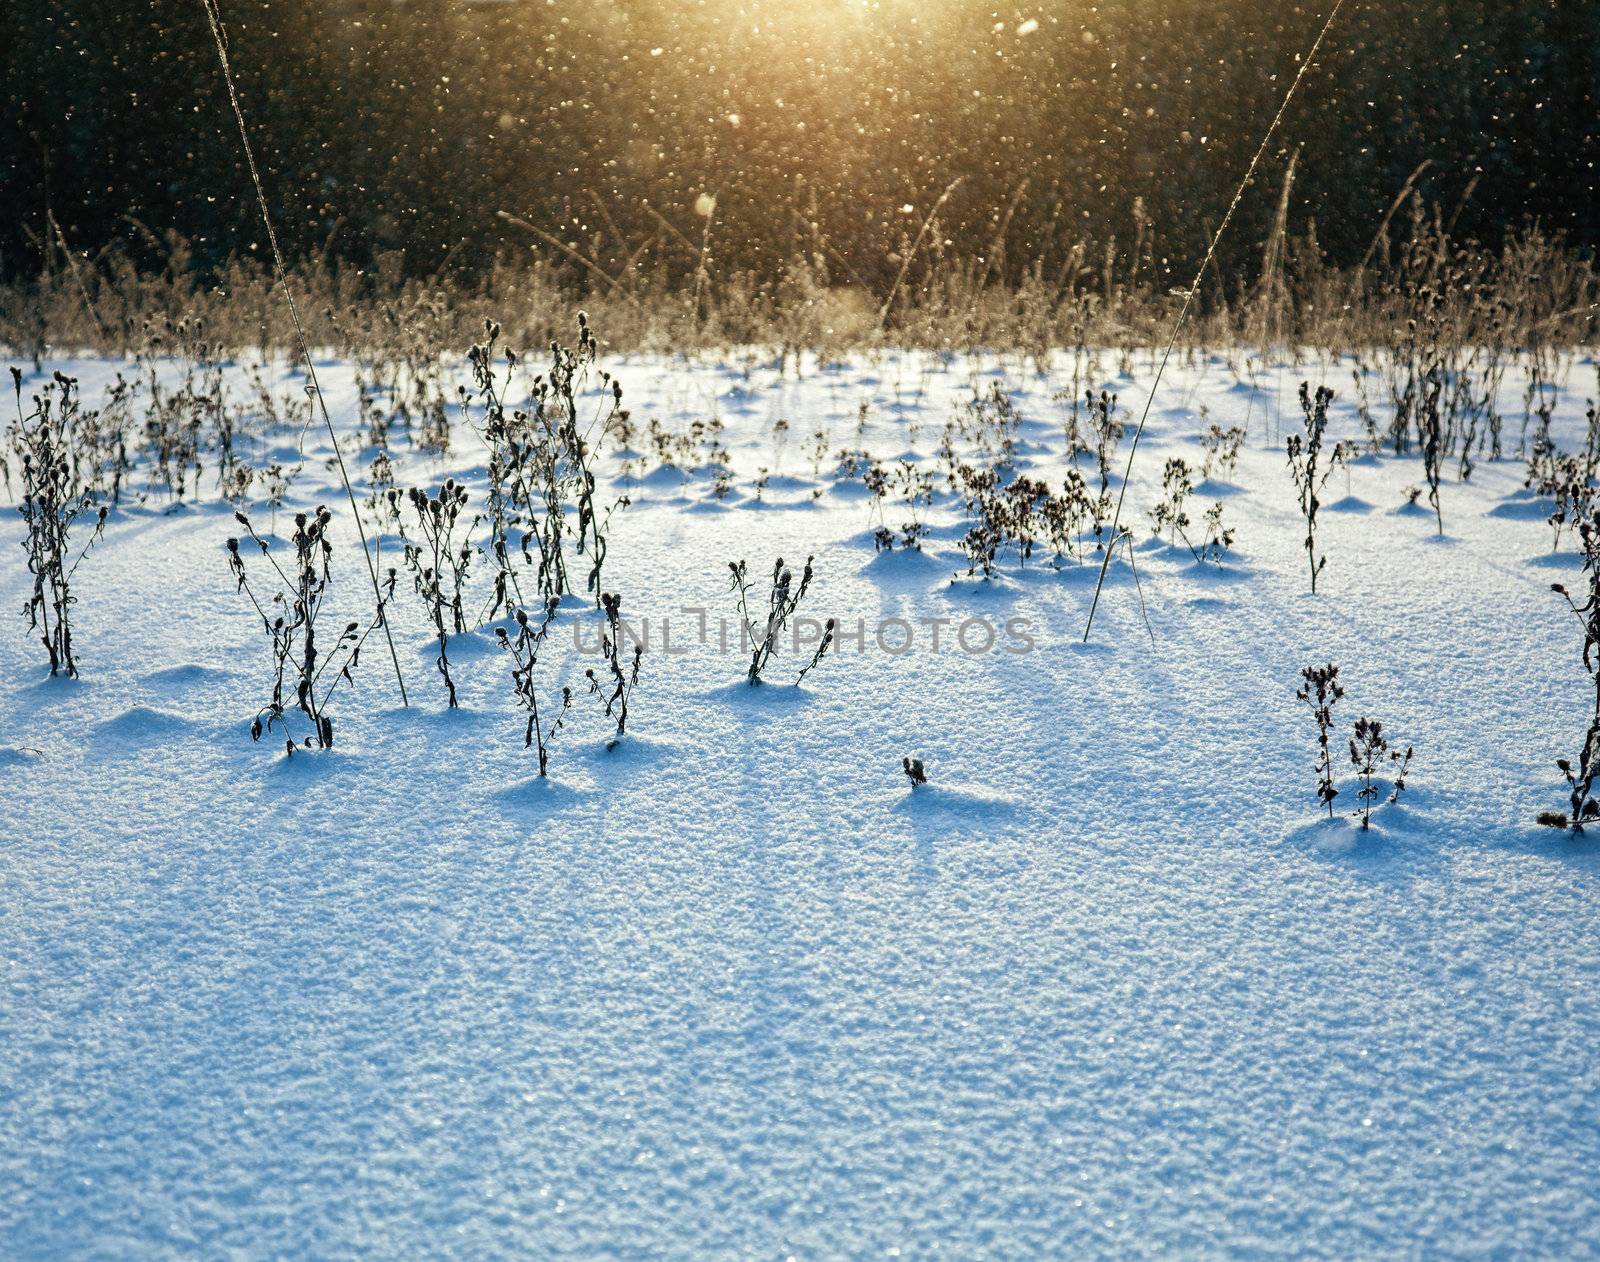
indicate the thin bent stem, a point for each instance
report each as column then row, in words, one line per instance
column 1189, row 297
column 214, row 19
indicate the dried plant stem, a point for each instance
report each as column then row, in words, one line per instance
column 1194, row 288
column 214, row 19
column 905, row 263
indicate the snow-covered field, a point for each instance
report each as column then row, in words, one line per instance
column 1107, row 986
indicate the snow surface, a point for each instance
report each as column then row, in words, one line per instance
column 1108, row 986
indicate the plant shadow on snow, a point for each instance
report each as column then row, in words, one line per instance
column 748, row 700
column 626, row 757
column 904, row 570
column 1379, row 851
column 863, row 540
column 424, row 715
column 1411, row 509
column 1207, row 574
column 310, row 766
column 947, row 532
column 537, row 793
column 668, row 476
column 1182, row 563
column 1401, row 833
column 1569, row 561
column 1522, row 506
column 139, row 726
column 1581, row 850
column 1001, row 590
column 949, row 806
column 180, row 678
column 936, row 813
column 43, row 698
column 466, row 646
column 55, row 689
column 1049, row 573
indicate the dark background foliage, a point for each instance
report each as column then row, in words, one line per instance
column 391, row 125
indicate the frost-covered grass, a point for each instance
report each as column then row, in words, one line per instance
column 1110, row 983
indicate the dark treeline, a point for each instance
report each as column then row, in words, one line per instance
column 827, row 127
